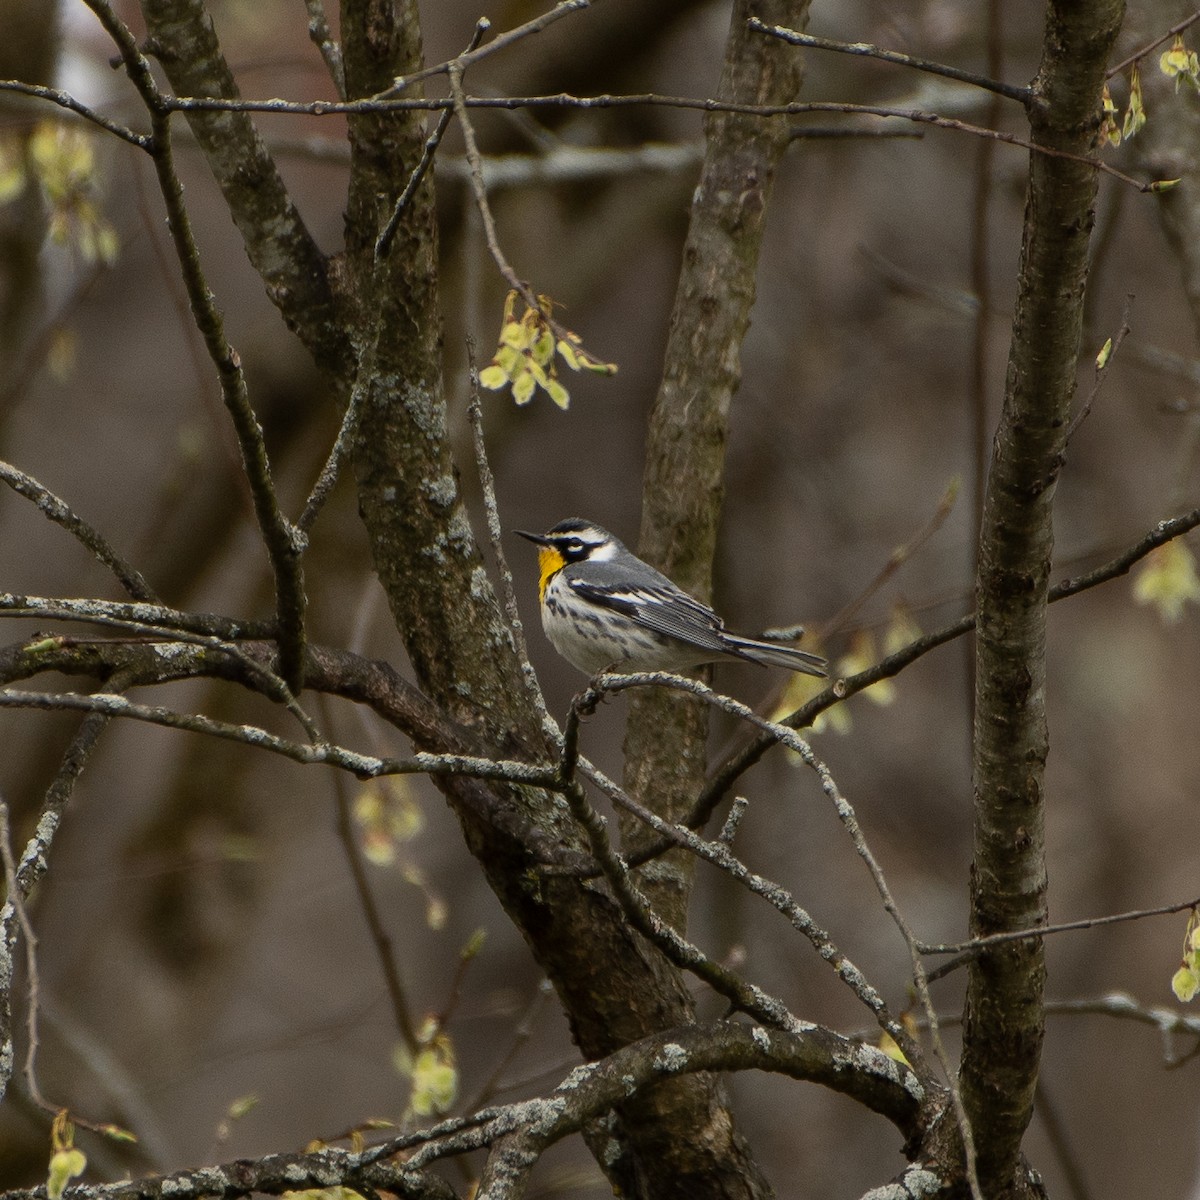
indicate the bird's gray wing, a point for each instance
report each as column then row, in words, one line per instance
column 659, row 606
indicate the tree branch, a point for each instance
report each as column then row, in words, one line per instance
column 1022, row 95
column 726, row 773
column 282, row 250
column 521, row 1132
column 283, row 544
column 1004, row 1023
column 32, row 866
column 61, row 513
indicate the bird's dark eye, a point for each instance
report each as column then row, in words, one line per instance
column 574, row 546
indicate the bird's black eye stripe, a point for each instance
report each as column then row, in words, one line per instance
column 572, row 547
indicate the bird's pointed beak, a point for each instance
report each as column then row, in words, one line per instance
column 539, row 539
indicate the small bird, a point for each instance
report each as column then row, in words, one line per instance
column 603, row 607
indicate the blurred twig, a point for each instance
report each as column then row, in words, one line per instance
column 380, row 939
column 898, row 557
column 60, row 513
column 1023, row 95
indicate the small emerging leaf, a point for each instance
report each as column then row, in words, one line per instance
column 1180, row 63
column 558, row 393
column 1163, row 185
column 493, row 378
column 516, row 335
column 1185, row 984
column 474, row 944
column 1135, row 114
column 523, row 387
column 387, row 816
column 567, row 353
column 890, row 1047
column 242, row 1107
column 594, row 364
column 65, row 1165
column 1167, row 580
column 525, row 355
column 543, row 348
column 1104, row 355
column 1110, row 131
column 436, row 912
column 434, row 1078
column 117, row 1134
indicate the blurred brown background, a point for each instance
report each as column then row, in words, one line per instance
column 200, row 939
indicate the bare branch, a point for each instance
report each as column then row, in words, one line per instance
column 364, row 766
column 150, row 616
column 65, row 100
column 283, row 543
column 321, row 37
column 61, row 513
column 976, row 945
column 502, row 41
column 1138, row 55
column 522, row 1131
column 384, row 242
column 727, row 772
column 744, row 996
column 1004, row 1026
column 778, row 897
column 281, row 248
column 898, row 557
column 508, row 594
column 16, row 902
column 1023, row 95
column 34, row 862
column 380, row 940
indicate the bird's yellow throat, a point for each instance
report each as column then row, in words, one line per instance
column 551, row 562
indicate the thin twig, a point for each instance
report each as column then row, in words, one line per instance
column 267, row 681
column 283, row 542
column 1060, row 1142
column 849, row 820
column 65, row 100
column 364, row 766
column 60, row 513
column 742, row 995
column 974, row 946
column 730, row 769
column 898, row 557
column 1024, row 95
column 500, row 42
column 231, row 458
column 327, row 108
column 321, row 37
column 1102, row 370
column 521, row 1034
column 1154, row 45
column 1167, row 1021
column 39, row 346
column 33, row 865
column 490, row 237
column 347, row 432
column 32, row 979
column 474, row 161
column 380, row 939
column 508, row 591
column 384, row 243
column 154, row 617
column 719, row 855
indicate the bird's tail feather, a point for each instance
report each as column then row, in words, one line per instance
column 773, row 655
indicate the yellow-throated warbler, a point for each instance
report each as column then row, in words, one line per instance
column 603, row 607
